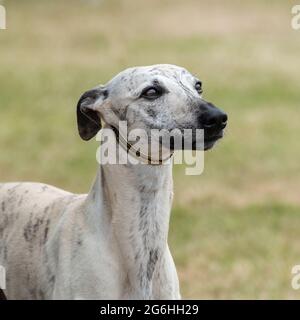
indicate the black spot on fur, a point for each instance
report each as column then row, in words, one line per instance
column 153, row 257
column 2, row 295
column 41, row 295
column 52, row 280
column 31, row 229
column 142, row 188
column 20, row 201
column 151, row 113
column 46, row 231
column 5, row 253
column 3, row 225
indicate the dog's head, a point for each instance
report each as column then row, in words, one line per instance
column 153, row 97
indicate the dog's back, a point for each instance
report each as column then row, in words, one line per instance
column 28, row 212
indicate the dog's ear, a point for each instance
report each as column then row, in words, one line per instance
column 88, row 115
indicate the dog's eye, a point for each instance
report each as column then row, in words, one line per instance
column 152, row 93
column 198, row 87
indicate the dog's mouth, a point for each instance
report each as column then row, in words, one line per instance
column 209, row 142
column 190, row 142
column 206, row 143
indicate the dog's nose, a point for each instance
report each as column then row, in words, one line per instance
column 215, row 119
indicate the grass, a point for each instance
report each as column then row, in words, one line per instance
column 234, row 230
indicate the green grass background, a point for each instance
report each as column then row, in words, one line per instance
column 235, row 230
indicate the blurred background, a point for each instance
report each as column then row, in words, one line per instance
column 235, row 230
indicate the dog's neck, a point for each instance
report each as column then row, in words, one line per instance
column 137, row 202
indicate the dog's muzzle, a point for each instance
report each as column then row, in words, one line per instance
column 213, row 121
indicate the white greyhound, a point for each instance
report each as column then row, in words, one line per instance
column 112, row 242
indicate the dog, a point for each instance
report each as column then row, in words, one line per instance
column 112, row 242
